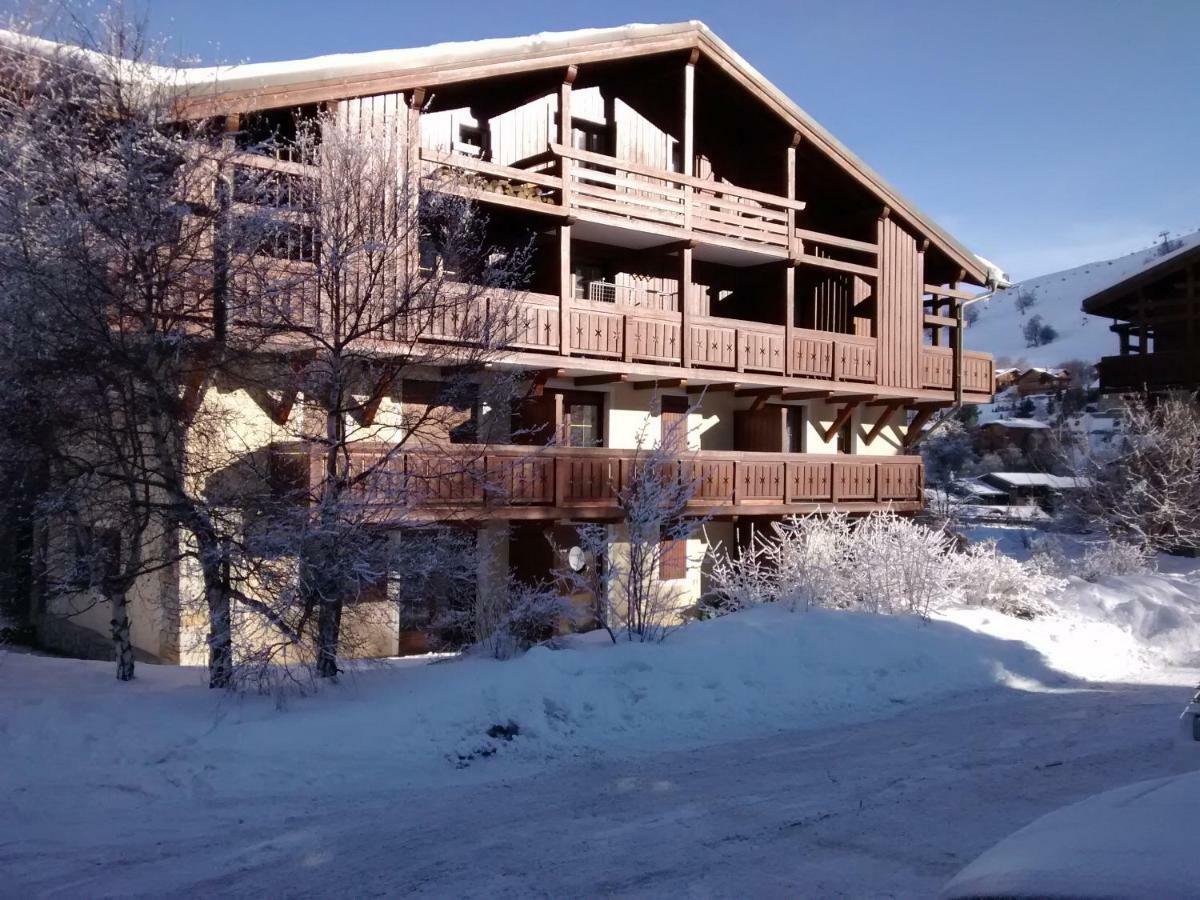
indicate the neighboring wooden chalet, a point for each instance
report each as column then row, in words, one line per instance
column 696, row 235
column 1156, row 317
column 1036, row 381
column 1033, row 488
column 1027, row 435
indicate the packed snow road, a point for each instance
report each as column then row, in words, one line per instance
column 890, row 807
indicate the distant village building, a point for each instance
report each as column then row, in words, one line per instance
column 1033, row 488
column 1006, row 378
column 1037, row 380
column 1156, row 317
column 1026, row 435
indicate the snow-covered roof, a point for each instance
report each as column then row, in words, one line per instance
column 977, row 488
column 1033, row 424
column 1041, row 370
column 445, row 62
column 1038, row 479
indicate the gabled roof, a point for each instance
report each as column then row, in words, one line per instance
column 237, row 88
column 1127, row 281
column 1037, row 479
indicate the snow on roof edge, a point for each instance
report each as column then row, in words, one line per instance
column 258, row 76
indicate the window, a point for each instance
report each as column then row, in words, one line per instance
column 584, row 275
column 794, row 430
column 590, row 136
column 845, row 438
column 97, row 557
column 583, row 420
column 672, row 560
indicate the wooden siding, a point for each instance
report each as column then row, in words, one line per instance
column 898, row 304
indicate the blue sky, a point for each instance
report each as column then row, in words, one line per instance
column 1043, row 134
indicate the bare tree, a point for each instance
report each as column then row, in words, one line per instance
column 1148, row 489
column 632, row 598
column 115, row 261
column 402, row 292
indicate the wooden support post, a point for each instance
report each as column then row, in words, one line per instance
column 383, row 383
column 564, row 131
column 688, row 151
column 839, row 420
column 913, row 433
column 790, row 174
column 959, row 360
column 412, row 184
column 789, row 316
column 685, row 306
column 560, row 421
column 566, row 289
column 884, row 417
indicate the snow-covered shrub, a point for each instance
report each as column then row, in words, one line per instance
column 801, row 562
column 987, row 577
column 811, row 557
column 1114, row 558
column 897, row 565
column 882, row 563
column 534, row 614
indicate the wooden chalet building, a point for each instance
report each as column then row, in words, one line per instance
column 1156, row 317
column 697, row 235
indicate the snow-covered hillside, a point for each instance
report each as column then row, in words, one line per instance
column 1057, row 298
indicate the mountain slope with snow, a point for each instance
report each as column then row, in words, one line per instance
column 1000, row 327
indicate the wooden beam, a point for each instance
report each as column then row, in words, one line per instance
column 195, row 386
column 760, row 395
column 595, row 380
column 951, row 291
column 538, row 379
column 370, row 409
column 838, row 265
column 942, row 321
column 884, row 416
column 790, row 396
column 660, row 384
column 277, row 410
column 913, row 434
column 839, row 420
column 721, row 387
column 902, row 401
column 853, row 398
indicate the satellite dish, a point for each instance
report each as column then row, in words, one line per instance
column 576, row 559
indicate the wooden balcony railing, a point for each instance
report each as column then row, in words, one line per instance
column 610, row 324
column 937, row 370
column 581, row 479
column 1149, row 371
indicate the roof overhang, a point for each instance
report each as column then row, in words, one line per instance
column 1096, row 303
column 240, row 88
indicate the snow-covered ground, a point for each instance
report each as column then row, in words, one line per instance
column 1135, row 841
column 768, row 752
column 1057, row 298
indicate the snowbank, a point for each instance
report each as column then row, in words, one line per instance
column 748, row 674
column 1136, row 841
column 1126, row 627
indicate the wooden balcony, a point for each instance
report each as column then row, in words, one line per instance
column 509, row 482
column 1149, row 372
column 607, row 326
column 728, row 223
